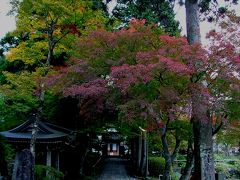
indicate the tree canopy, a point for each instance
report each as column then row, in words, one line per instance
column 159, row 12
column 140, row 75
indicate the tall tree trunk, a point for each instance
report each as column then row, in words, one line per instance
column 167, row 157
column 192, row 21
column 42, row 88
column 202, row 125
column 189, row 163
column 203, row 150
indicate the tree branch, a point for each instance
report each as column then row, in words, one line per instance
column 59, row 39
column 164, row 143
column 176, row 149
column 214, row 131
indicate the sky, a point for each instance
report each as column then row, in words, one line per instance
column 7, row 23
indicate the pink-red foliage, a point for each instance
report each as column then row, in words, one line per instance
column 91, row 89
column 126, row 75
column 138, row 55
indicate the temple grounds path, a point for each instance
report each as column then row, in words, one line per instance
column 115, row 169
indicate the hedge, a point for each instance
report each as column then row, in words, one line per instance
column 156, row 166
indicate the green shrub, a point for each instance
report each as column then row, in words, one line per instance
column 175, row 175
column 156, row 166
column 40, row 173
column 90, row 160
column 222, row 167
column 6, row 156
column 229, row 165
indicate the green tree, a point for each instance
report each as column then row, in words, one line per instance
column 52, row 26
column 159, row 12
column 43, row 40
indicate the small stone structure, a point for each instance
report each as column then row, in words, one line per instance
column 23, row 166
column 50, row 141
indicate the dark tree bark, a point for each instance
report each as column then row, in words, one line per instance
column 202, row 125
column 203, row 150
column 192, row 21
column 167, row 157
column 189, row 163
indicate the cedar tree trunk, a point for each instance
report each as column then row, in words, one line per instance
column 202, row 125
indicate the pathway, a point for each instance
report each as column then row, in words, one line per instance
column 115, row 169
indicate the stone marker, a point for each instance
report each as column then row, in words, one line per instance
column 23, row 166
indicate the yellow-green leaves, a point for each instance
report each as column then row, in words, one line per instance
column 29, row 54
column 18, row 96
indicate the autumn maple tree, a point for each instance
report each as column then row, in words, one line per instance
column 148, row 77
column 138, row 72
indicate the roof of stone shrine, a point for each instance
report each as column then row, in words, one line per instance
column 47, row 133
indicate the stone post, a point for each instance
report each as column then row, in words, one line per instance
column 49, row 158
column 57, row 161
column 23, row 166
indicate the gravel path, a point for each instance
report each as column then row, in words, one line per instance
column 115, row 169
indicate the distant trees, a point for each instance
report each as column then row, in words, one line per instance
column 159, row 12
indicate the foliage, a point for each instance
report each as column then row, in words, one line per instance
column 229, row 165
column 154, row 144
column 53, row 174
column 154, row 11
column 6, row 154
column 52, row 27
column 213, row 11
column 7, row 42
column 17, row 96
column 150, row 82
column 228, row 135
column 223, row 168
column 156, row 166
column 175, row 175
column 96, row 66
column 145, row 83
column 43, row 40
column 180, row 161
